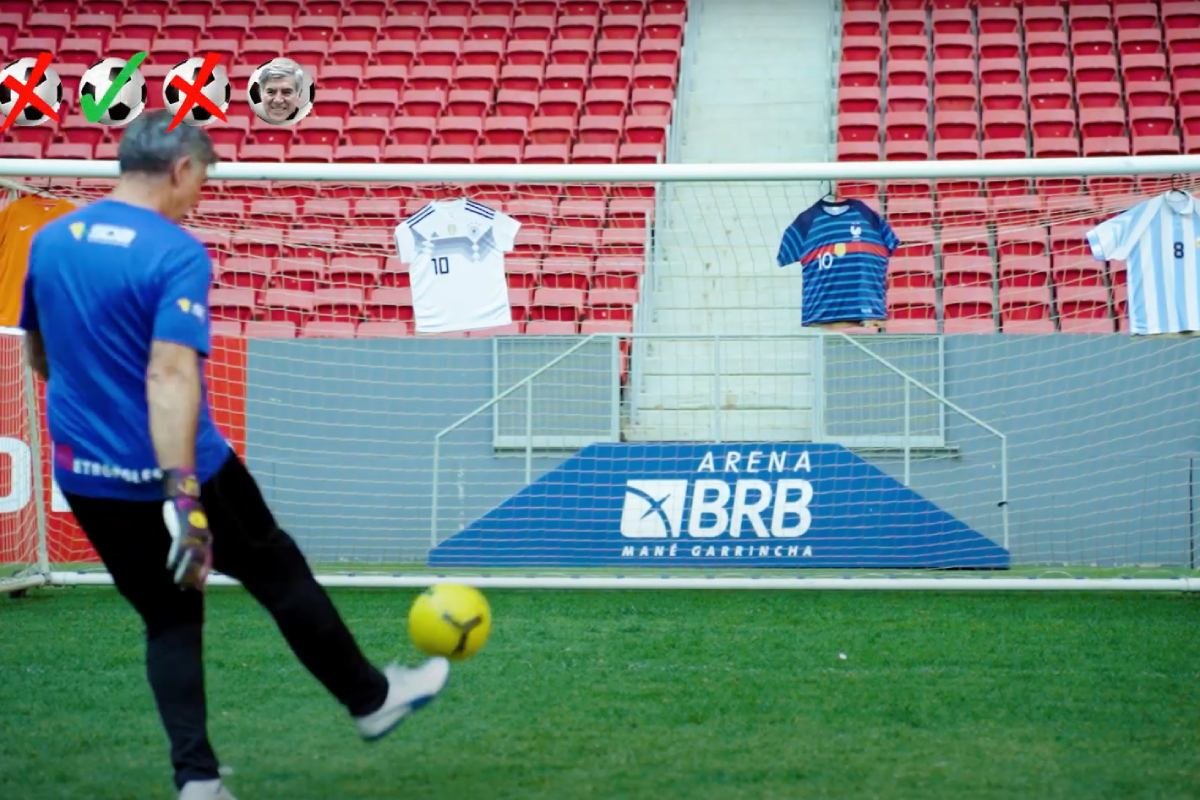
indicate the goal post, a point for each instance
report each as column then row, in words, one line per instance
column 658, row 417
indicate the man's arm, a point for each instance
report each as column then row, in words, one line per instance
column 173, row 396
column 35, row 353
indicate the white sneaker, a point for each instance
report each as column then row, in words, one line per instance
column 205, row 790
column 408, row 690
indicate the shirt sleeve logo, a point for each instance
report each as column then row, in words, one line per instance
column 188, row 307
column 77, row 229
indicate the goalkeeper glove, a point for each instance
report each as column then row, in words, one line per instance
column 190, row 557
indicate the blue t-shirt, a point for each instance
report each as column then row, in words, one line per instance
column 103, row 283
column 844, row 249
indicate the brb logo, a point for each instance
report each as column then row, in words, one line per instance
column 17, row 485
column 708, row 508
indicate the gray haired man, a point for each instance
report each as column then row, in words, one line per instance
column 115, row 314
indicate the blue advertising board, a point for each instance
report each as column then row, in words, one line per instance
column 718, row 505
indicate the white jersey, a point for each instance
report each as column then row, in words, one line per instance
column 455, row 255
column 1158, row 240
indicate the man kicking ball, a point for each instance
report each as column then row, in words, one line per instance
column 115, row 314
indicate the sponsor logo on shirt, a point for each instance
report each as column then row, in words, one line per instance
column 117, row 235
column 188, row 307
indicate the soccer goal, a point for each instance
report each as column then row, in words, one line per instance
column 656, row 415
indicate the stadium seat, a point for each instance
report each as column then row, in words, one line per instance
column 566, row 272
column 337, row 304
column 328, row 329
column 298, row 274
column 356, row 272
column 967, row 302
column 912, row 302
column 389, row 304
column 518, row 51
column 459, row 130
column 375, row 329
column 288, row 305
column 1053, row 122
column 967, row 271
column 236, row 304
column 911, row 271
column 225, row 327
column 270, row 329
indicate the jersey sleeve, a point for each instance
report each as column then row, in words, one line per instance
column 406, row 244
column 890, row 240
column 504, row 231
column 1114, row 238
column 29, row 315
column 182, row 315
column 791, row 248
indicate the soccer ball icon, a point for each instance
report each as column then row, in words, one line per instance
column 216, row 88
column 49, row 89
column 451, row 620
column 130, row 100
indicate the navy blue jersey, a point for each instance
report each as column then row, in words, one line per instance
column 103, row 283
column 844, row 249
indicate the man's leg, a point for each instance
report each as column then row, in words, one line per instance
column 133, row 542
column 249, row 545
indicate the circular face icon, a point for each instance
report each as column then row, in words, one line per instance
column 30, row 103
column 126, row 104
column 180, row 91
column 281, row 92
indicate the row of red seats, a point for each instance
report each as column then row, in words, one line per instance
column 395, row 304
column 1080, row 44
column 1008, row 269
column 1041, row 147
column 267, row 242
column 1184, row 93
column 1008, row 124
column 965, row 309
column 618, row 212
column 1015, row 18
column 583, row 153
column 337, row 8
column 394, row 52
column 366, row 272
column 375, row 329
column 467, row 76
column 238, row 27
column 989, row 70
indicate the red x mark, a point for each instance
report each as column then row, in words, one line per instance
column 25, row 95
column 192, row 94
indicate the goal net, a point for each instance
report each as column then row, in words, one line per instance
column 657, row 410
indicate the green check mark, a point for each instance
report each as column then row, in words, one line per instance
column 93, row 110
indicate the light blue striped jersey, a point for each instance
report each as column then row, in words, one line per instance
column 1157, row 238
column 844, row 249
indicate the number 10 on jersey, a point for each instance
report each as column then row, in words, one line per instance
column 441, row 266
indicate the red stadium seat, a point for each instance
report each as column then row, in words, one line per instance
column 338, row 304
column 522, row 77
column 912, row 302
column 236, row 304
column 372, row 329
column 911, row 271
column 328, row 329
column 270, row 329
column 573, row 76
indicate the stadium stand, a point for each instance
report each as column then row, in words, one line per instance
column 488, row 81
column 1007, row 79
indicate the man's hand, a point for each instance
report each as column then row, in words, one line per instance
column 190, row 557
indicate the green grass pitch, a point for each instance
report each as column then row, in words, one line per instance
column 642, row 695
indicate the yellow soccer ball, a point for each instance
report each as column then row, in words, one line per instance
column 451, row 620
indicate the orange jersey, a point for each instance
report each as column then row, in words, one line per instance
column 19, row 221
